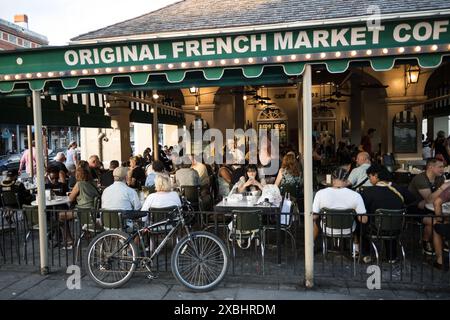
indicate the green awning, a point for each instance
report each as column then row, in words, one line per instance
column 137, row 63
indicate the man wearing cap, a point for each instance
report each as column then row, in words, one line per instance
column 119, row 196
column 338, row 197
column 11, row 184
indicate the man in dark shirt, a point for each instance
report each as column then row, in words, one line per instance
column 11, row 184
column 382, row 195
column 107, row 177
column 427, row 187
column 53, row 183
column 60, row 166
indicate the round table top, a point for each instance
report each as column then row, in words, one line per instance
column 445, row 207
column 54, row 202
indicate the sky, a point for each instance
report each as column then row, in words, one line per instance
column 61, row 20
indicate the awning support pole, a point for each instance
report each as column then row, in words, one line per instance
column 30, row 148
column 43, row 247
column 155, row 134
column 308, row 177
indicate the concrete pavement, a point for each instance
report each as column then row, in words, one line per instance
column 29, row 285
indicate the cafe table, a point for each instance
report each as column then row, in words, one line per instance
column 56, row 201
column 228, row 206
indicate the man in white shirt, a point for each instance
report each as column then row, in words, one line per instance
column 119, row 196
column 358, row 177
column 201, row 170
column 338, row 197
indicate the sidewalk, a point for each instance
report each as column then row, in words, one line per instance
column 26, row 285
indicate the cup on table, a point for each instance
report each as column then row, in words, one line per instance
column 48, row 194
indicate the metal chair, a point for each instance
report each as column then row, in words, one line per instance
column 10, row 206
column 87, row 219
column 337, row 225
column 287, row 226
column 192, row 194
column 246, row 227
column 388, row 225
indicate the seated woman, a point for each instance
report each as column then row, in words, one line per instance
column 84, row 192
column 250, row 182
column 289, row 179
column 163, row 197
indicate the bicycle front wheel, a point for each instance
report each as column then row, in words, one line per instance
column 111, row 260
column 200, row 261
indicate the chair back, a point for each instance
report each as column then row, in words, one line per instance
column 31, row 216
column 389, row 161
column 191, row 193
column 111, row 219
column 389, row 221
column 87, row 219
column 159, row 214
column 402, row 178
column 338, row 219
column 10, row 200
column 247, row 220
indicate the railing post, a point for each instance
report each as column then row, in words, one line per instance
column 308, row 177
column 43, row 244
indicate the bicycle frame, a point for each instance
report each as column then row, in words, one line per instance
column 180, row 223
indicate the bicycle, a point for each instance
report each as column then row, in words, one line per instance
column 199, row 260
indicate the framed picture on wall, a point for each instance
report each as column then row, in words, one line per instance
column 404, row 130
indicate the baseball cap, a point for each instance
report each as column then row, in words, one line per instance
column 120, row 172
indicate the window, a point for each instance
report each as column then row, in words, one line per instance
column 26, row 44
column 12, row 39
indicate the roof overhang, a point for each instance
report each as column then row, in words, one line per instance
column 138, row 63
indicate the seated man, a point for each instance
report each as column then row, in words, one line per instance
column 440, row 224
column 338, row 197
column 11, row 184
column 119, row 196
column 186, row 176
column 381, row 196
column 157, row 167
column 426, row 188
column 60, row 166
column 358, row 176
column 53, row 182
column 107, row 178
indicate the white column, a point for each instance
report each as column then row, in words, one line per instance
column 308, row 177
column 43, row 248
column 155, row 134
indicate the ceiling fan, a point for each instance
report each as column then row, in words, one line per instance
column 332, row 100
column 338, row 94
column 365, row 85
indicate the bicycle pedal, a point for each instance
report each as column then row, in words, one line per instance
column 152, row 277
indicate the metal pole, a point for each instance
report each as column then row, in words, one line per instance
column 155, row 134
column 30, row 148
column 43, row 248
column 17, row 139
column 308, row 177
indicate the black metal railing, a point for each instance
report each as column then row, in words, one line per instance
column 69, row 233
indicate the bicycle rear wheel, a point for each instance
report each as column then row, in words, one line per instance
column 200, row 261
column 111, row 261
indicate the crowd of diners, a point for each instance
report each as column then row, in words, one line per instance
column 120, row 186
column 370, row 186
column 363, row 186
